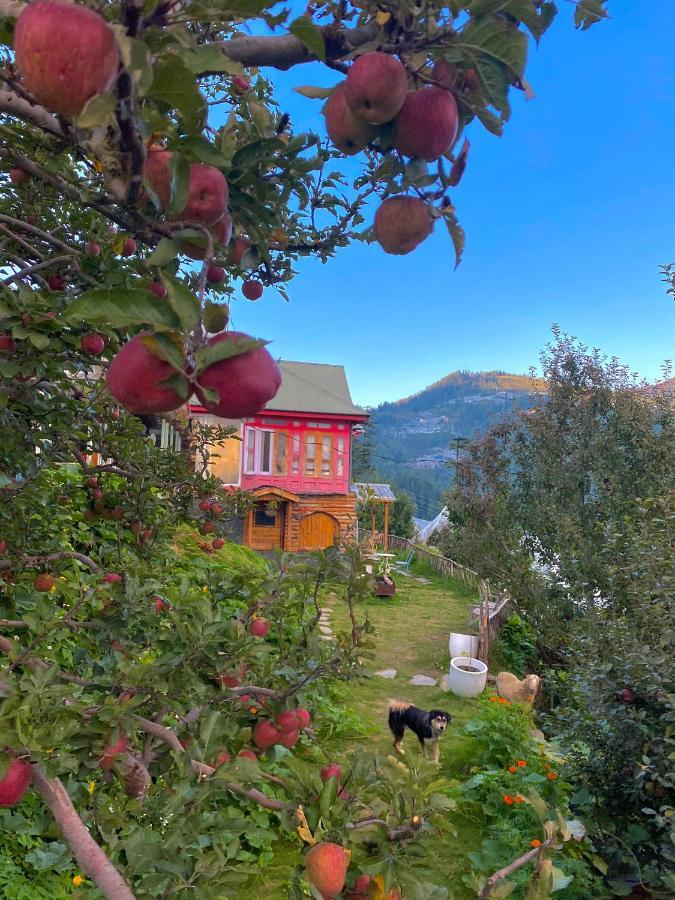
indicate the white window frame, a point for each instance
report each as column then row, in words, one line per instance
column 257, row 436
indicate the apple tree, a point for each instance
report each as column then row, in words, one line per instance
column 147, row 176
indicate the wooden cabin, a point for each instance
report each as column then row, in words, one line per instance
column 295, row 457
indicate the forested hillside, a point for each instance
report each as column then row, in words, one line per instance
column 414, row 441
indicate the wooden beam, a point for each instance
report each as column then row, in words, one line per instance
column 386, row 527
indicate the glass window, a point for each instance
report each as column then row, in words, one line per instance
column 263, row 517
column 265, row 447
column 325, row 456
column 295, row 455
column 340, row 456
column 250, row 449
column 280, row 456
column 310, row 454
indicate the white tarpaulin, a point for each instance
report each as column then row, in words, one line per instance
column 430, row 528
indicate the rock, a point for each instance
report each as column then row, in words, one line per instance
column 386, row 673
column 445, row 683
column 423, row 681
column 325, row 629
column 538, row 735
column 511, row 688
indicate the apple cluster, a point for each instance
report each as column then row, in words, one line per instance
column 374, row 102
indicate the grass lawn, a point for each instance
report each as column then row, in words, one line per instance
column 412, row 630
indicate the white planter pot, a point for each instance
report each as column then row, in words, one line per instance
column 462, row 645
column 467, row 684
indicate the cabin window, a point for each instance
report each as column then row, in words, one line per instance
column 318, row 424
column 295, row 454
column 310, row 455
column 264, row 517
column 280, row 455
column 340, row 457
column 326, row 466
column 259, row 451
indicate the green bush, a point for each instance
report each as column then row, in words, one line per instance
column 517, row 646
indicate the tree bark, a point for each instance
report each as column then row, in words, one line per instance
column 91, row 859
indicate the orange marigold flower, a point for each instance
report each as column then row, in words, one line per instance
column 503, row 700
column 512, row 770
column 551, row 776
column 521, row 763
column 508, row 799
column 493, row 699
column 535, row 843
column 78, row 880
column 519, row 799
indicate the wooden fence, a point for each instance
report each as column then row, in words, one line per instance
column 492, row 609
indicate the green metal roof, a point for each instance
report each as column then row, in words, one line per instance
column 314, row 388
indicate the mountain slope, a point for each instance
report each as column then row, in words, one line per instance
column 414, row 439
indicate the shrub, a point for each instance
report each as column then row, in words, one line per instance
column 517, row 645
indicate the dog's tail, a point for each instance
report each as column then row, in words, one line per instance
column 399, row 705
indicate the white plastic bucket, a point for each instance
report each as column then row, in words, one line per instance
column 467, row 684
column 462, row 645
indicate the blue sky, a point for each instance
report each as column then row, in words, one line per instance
column 568, row 217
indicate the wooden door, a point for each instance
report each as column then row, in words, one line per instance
column 318, row 531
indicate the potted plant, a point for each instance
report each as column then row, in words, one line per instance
column 383, row 586
column 468, row 676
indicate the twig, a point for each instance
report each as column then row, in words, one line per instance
column 512, row 867
column 47, row 263
column 56, row 557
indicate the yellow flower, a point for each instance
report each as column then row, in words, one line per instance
column 52, row 589
column 78, row 880
column 91, row 787
column 205, row 590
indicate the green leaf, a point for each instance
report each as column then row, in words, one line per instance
column 135, row 59
column 182, row 301
column 314, row 93
column 311, row 36
column 496, row 40
column 98, row 111
column 503, row 889
column 327, row 797
column 122, row 307
column 40, row 341
column 178, row 383
column 560, row 880
column 175, row 85
column 215, row 316
column 599, row 863
column 205, row 152
column 456, row 233
column 210, row 58
column 164, row 252
column 588, row 12
column 206, row 356
column 180, row 182
column 167, row 346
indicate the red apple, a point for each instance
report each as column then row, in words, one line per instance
column 349, row 133
column 260, row 628
column 7, row 343
column 205, row 506
column 3, row 547
column 245, row 383
column 287, row 720
column 227, row 680
column 626, row 696
column 117, row 513
column 217, row 543
column 112, row 750
column 239, row 248
column 92, row 248
column 15, row 782
column 112, row 578
column 401, row 223
column 289, row 738
column 326, row 868
column 240, row 84
column 147, row 534
column 304, row 717
column 89, row 515
column 97, row 493
column 265, row 735
column 215, row 274
column 360, row 888
column 376, row 87
column 129, row 247
column 331, row 771
column 248, row 754
column 44, row 583
column 426, row 126
column 157, row 172
column 66, row 54
column 93, row 344
column 252, row 289
column 222, row 232
column 157, row 289
column 56, row 282
column 18, row 176
column 207, row 528
column 222, row 758
column 134, row 379
column 445, row 74
column 216, row 509
column 160, row 604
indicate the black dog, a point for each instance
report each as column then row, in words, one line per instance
column 428, row 726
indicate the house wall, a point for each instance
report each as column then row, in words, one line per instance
column 303, row 433
column 341, row 506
